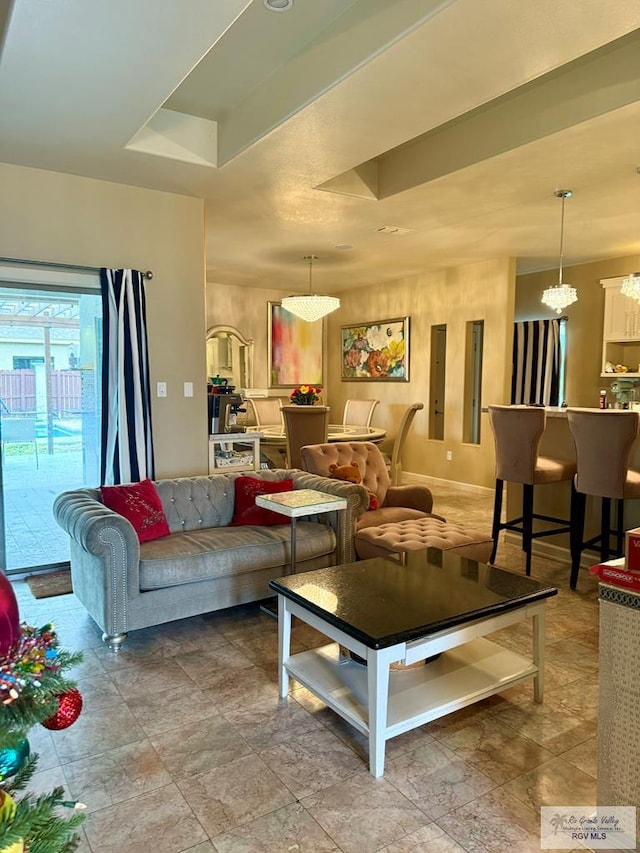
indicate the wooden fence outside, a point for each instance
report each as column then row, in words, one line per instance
column 18, row 392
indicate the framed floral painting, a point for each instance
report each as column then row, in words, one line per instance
column 295, row 349
column 378, row 350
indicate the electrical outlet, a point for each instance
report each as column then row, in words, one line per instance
column 449, row 456
column 162, row 389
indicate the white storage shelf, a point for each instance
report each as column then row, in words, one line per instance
column 459, row 677
column 230, row 452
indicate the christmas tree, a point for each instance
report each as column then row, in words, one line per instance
column 33, row 691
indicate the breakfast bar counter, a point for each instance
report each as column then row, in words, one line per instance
column 557, row 441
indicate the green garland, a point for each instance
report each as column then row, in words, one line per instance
column 33, row 669
column 36, row 705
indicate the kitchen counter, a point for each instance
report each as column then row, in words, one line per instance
column 552, row 411
column 558, row 412
column 561, row 411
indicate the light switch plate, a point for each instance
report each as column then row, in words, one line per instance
column 188, row 389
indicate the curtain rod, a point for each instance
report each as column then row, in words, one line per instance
column 148, row 274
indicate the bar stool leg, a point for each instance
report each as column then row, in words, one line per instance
column 605, row 529
column 620, row 528
column 527, row 523
column 497, row 514
column 577, row 536
column 572, row 518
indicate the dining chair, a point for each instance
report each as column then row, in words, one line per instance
column 304, row 425
column 394, row 460
column 358, row 412
column 517, row 431
column 266, row 410
column 604, row 441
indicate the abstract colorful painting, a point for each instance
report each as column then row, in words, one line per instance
column 377, row 350
column 295, row 349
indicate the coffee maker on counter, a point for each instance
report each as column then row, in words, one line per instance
column 223, row 406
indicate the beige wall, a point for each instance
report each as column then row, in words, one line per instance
column 584, row 328
column 68, row 219
column 480, row 291
column 483, row 291
column 48, row 216
column 487, row 291
column 246, row 309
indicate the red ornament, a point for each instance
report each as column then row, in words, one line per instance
column 68, row 711
column 9, row 615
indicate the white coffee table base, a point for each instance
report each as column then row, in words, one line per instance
column 381, row 703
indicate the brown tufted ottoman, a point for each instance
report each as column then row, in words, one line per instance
column 398, row 537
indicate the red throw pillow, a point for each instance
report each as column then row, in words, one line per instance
column 245, row 510
column 141, row 505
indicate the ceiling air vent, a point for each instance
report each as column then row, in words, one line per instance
column 393, row 229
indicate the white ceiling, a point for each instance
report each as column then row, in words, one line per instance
column 455, row 119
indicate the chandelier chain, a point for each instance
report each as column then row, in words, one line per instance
column 561, row 295
column 310, row 306
column 311, row 259
column 561, row 241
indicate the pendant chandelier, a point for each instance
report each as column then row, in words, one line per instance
column 560, row 295
column 311, row 306
column 631, row 286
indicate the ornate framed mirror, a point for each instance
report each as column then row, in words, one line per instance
column 230, row 356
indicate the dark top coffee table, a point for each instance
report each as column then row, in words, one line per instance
column 437, row 604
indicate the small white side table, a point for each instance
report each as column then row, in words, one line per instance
column 297, row 503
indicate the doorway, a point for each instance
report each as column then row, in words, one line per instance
column 50, row 357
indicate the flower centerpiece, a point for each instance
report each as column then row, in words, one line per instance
column 305, row 395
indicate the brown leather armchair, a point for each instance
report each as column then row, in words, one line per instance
column 395, row 503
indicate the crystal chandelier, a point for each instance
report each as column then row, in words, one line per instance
column 631, row 286
column 311, row 306
column 560, row 295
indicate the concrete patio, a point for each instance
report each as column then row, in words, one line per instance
column 32, row 536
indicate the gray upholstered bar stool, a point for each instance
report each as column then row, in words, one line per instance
column 517, row 431
column 604, row 440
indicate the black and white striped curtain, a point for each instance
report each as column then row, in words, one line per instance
column 127, row 440
column 536, row 363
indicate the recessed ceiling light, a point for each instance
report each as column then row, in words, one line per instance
column 278, row 5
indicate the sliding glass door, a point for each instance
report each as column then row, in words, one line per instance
column 49, row 415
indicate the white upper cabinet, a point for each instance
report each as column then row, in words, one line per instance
column 621, row 331
column 621, row 314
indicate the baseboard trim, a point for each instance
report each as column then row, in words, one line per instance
column 540, row 548
column 555, row 552
column 409, row 477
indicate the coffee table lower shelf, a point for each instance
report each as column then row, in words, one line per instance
column 459, row 677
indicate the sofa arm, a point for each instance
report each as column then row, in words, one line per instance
column 343, row 522
column 84, row 518
column 413, row 496
column 105, row 556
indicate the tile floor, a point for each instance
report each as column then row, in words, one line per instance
column 183, row 746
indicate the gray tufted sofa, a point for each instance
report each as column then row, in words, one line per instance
column 204, row 565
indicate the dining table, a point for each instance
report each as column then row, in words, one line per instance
column 274, row 441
